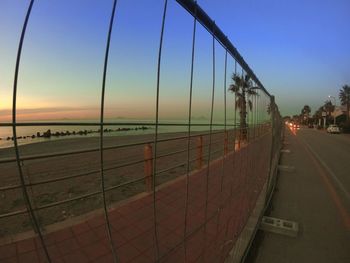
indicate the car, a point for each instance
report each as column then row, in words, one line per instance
column 333, row 129
column 296, row 126
column 310, row 125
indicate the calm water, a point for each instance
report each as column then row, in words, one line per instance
column 6, row 132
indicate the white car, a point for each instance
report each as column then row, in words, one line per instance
column 333, row 129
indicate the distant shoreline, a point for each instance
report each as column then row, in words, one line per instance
column 29, row 135
column 48, row 134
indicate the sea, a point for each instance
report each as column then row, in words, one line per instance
column 118, row 127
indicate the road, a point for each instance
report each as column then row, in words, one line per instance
column 333, row 152
column 315, row 195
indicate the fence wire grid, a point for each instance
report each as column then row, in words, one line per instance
column 180, row 191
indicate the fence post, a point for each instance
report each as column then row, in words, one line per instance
column 148, row 166
column 199, row 152
column 271, row 172
column 237, row 143
column 226, row 143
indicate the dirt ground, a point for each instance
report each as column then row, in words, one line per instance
column 69, row 197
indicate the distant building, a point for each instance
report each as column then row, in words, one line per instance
column 339, row 110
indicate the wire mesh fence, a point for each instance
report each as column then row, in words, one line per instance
column 165, row 191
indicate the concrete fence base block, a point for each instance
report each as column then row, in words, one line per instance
column 279, row 226
column 286, row 168
column 285, row 151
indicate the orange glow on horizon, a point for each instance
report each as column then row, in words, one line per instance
column 41, row 114
column 36, row 114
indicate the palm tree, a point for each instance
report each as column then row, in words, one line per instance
column 344, row 96
column 328, row 107
column 306, row 112
column 243, row 88
column 318, row 114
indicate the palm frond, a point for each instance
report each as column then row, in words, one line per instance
column 237, row 79
column 234, row 88
column 255, row 88
column 250, row 104
column 239, row 102
column 344, row 95
column 251, row 92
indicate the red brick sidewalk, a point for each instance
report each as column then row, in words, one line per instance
column 215, row 217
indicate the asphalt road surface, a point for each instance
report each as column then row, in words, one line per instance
column 315, row 194
column 333, row 153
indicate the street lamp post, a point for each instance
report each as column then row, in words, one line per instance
column 335, row 104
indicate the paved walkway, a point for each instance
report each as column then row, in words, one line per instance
column 216, row 214
column 309, row 196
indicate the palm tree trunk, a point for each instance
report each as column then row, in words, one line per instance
column 243, row 126
column 244, row 118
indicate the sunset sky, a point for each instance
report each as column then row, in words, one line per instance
column 298, row 49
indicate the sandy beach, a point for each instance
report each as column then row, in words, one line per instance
column 124, row 173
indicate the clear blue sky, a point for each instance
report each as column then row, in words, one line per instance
column 299, row 49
